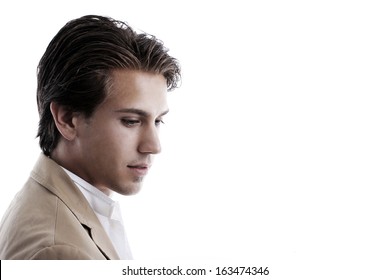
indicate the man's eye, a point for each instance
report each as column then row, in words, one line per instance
column 159, row 122
column 129, row 122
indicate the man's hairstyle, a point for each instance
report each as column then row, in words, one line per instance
column 76, row 67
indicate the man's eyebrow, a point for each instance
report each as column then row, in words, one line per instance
column 139, row 112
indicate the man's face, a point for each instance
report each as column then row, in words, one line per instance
column 118, row 141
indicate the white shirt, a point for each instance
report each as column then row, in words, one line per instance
column 109, row 214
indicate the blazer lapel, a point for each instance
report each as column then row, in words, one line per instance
column 50, row 175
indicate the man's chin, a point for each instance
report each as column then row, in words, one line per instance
column 130, row 190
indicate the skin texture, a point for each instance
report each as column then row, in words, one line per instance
column 114, row 148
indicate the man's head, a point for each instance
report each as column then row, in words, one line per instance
column 100, row 87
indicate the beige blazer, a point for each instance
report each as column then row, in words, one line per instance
column 50, row 219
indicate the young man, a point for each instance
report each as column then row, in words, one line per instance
column 102, row 95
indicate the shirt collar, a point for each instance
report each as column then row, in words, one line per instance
column 99, row 201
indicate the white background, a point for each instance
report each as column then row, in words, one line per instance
column 276, row 148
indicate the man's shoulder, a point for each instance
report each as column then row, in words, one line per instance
column 29, row 222
column 38, row 225
column 48, row 218
column 31, row 204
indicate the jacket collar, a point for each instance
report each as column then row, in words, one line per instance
column 51, row 176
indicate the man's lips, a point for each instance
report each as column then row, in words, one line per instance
column 139, row 169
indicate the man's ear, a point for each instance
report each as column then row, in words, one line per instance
column 64, row 120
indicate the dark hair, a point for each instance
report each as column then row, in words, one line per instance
column 75, row 68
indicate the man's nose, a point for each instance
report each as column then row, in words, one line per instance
column 150, row 141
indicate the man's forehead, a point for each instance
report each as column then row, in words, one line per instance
column 136, row 78
column 136, row 90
